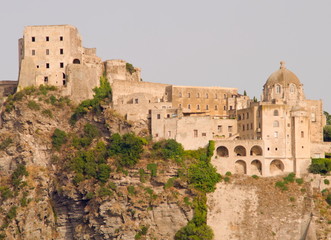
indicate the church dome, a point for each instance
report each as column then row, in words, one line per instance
column 283, row 77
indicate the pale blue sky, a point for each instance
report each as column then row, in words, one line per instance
column 188, row 42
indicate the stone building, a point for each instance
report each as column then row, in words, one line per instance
column 278, row 134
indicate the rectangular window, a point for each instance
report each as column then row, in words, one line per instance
column 207, row 107
column 276, row 134
column 302, row 134
column 229, row 129
column 33, row 39
column 195, row 133
column 216, row 107
column 47, row 39
column 61, row 51
column 45, row 79
column 33, row 52
column 61, row 38
column 180, row 105
column 198, row 107
column 189, row 106
column 61, row 65
column 158, row 116
column 230, row 107
column 219, row 128
column 47, row 65
column 189, row 95
column 204, row 134
column 169, row 133
column 47, row 51
column 136, row 101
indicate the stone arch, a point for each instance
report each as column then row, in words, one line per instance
column 240, row 167
column 256, row 151
column 256, row 167
column 276, row 167
column 76, row 61
column 222, row 151
column 240, row 151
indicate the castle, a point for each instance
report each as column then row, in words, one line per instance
column 280, row 133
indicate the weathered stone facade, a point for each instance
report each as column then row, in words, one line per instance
column 284, row 127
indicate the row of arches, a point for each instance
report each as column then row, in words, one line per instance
column 276, row 167
column 223, row 151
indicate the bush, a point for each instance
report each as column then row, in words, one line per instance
column 326, row 181
column 131, row 190
column 328, row 199
column 130, row 68
column 91, row 131
column 33, row 105
column 152, row 167
column 47, row 113
column 126, row 149
column 170, row 183
column 17, row 175
column 320, row 166
column 210, row 149
column 169, row 149
column 103, row 192
column 289, row 178
column 12, row 213
column 5, row 192
column 255, row 177
column 142, row 175
column 103, row 172
column 281, row 185
column 59, row 138
column 299, row 181
column 229, row 174
column 203, row 176
column 5, row 143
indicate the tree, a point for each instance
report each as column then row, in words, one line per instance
column 327, row 133
column 328, row 118
column 245, row 93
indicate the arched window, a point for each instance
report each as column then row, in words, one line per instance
column 292, row 88
column 189, row 106
column 207, row 107
column 222, row 151
column 276, row 123
column 180, row 94
column 198, row 95
column 276, row 113
column 278, row 89
column 198, row 107
column 64, row 75
column 76, row 61
column 207, row 95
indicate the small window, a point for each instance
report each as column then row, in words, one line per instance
column 288, row 125
column 33, row 39
column 207, row 96
column 189, row 106
column 230, row 129
column 47, row 39
column 251, row 125
column 239, row 117
column 224, row 107
column 276, row 123
column 204, row 134
column 64, row 82
column 207, row 107
column 198, row 107
column 156, row 135
column 216, row 96
column 136, row 101
column 247, row 115
column 169, row 133
column 47, row 65
column 276, row 113
column 61, row 65
column 158, row 116
column 188, row 95
column 61, row 51
column 268, row 149
column 198, row 95
column 45, row 79
column 216, row 107
column 276, row 149
column 302, row 134
column 33, row 52
column 47, row 51
column 195, row 132
column 276, row 134
column 247, row 126
column 76, row 61
column 278, row 89
column 61, row 38
column 168, row 115
column 37, row 66
column 219, row 128
column 180, row 105
column 230, row 107
column 180, row 94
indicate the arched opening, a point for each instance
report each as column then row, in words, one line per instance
column 276, row 167
column 278, row 89
column 292, row 88
column 240, row 167
column 256, row 167
column 276, row 123
column 64, row 80
column 240, row 151
column 256, row 151
column 76, row 61
column 222, row 151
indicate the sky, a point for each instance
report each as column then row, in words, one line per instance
column 233, row 43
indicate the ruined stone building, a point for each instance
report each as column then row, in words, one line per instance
column 278, row 134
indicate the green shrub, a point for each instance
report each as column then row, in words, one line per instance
column 100, row 94
column 126, row 149
column 142, row 175
column 210, row 149
column 281, row 185
column 328, row 199
column 226, row 179
column 103, row 192
column 52, row 99
column 89, row 196
column 12, row 213
column 326, row 181
column 299, row 181
column 44, row 89
column 199, row 154
column 255, row 177
column 91, row 131
column 292, row 199
column 152, row 167
column 131, row 190
column 5, row 143
column 59, row 138
column 169, row 149
column 203, row 176
column 320, row 166
column 17, row 175
column 289, row 178
column 103, row 172
column 33, row 105
column 112, row 186
column 130, row 68
column 142, row 232
column 170, row 183
column 47, row 113
column 6, row 193
column 229, row 174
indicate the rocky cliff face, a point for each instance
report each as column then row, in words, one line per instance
column 46, row 204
